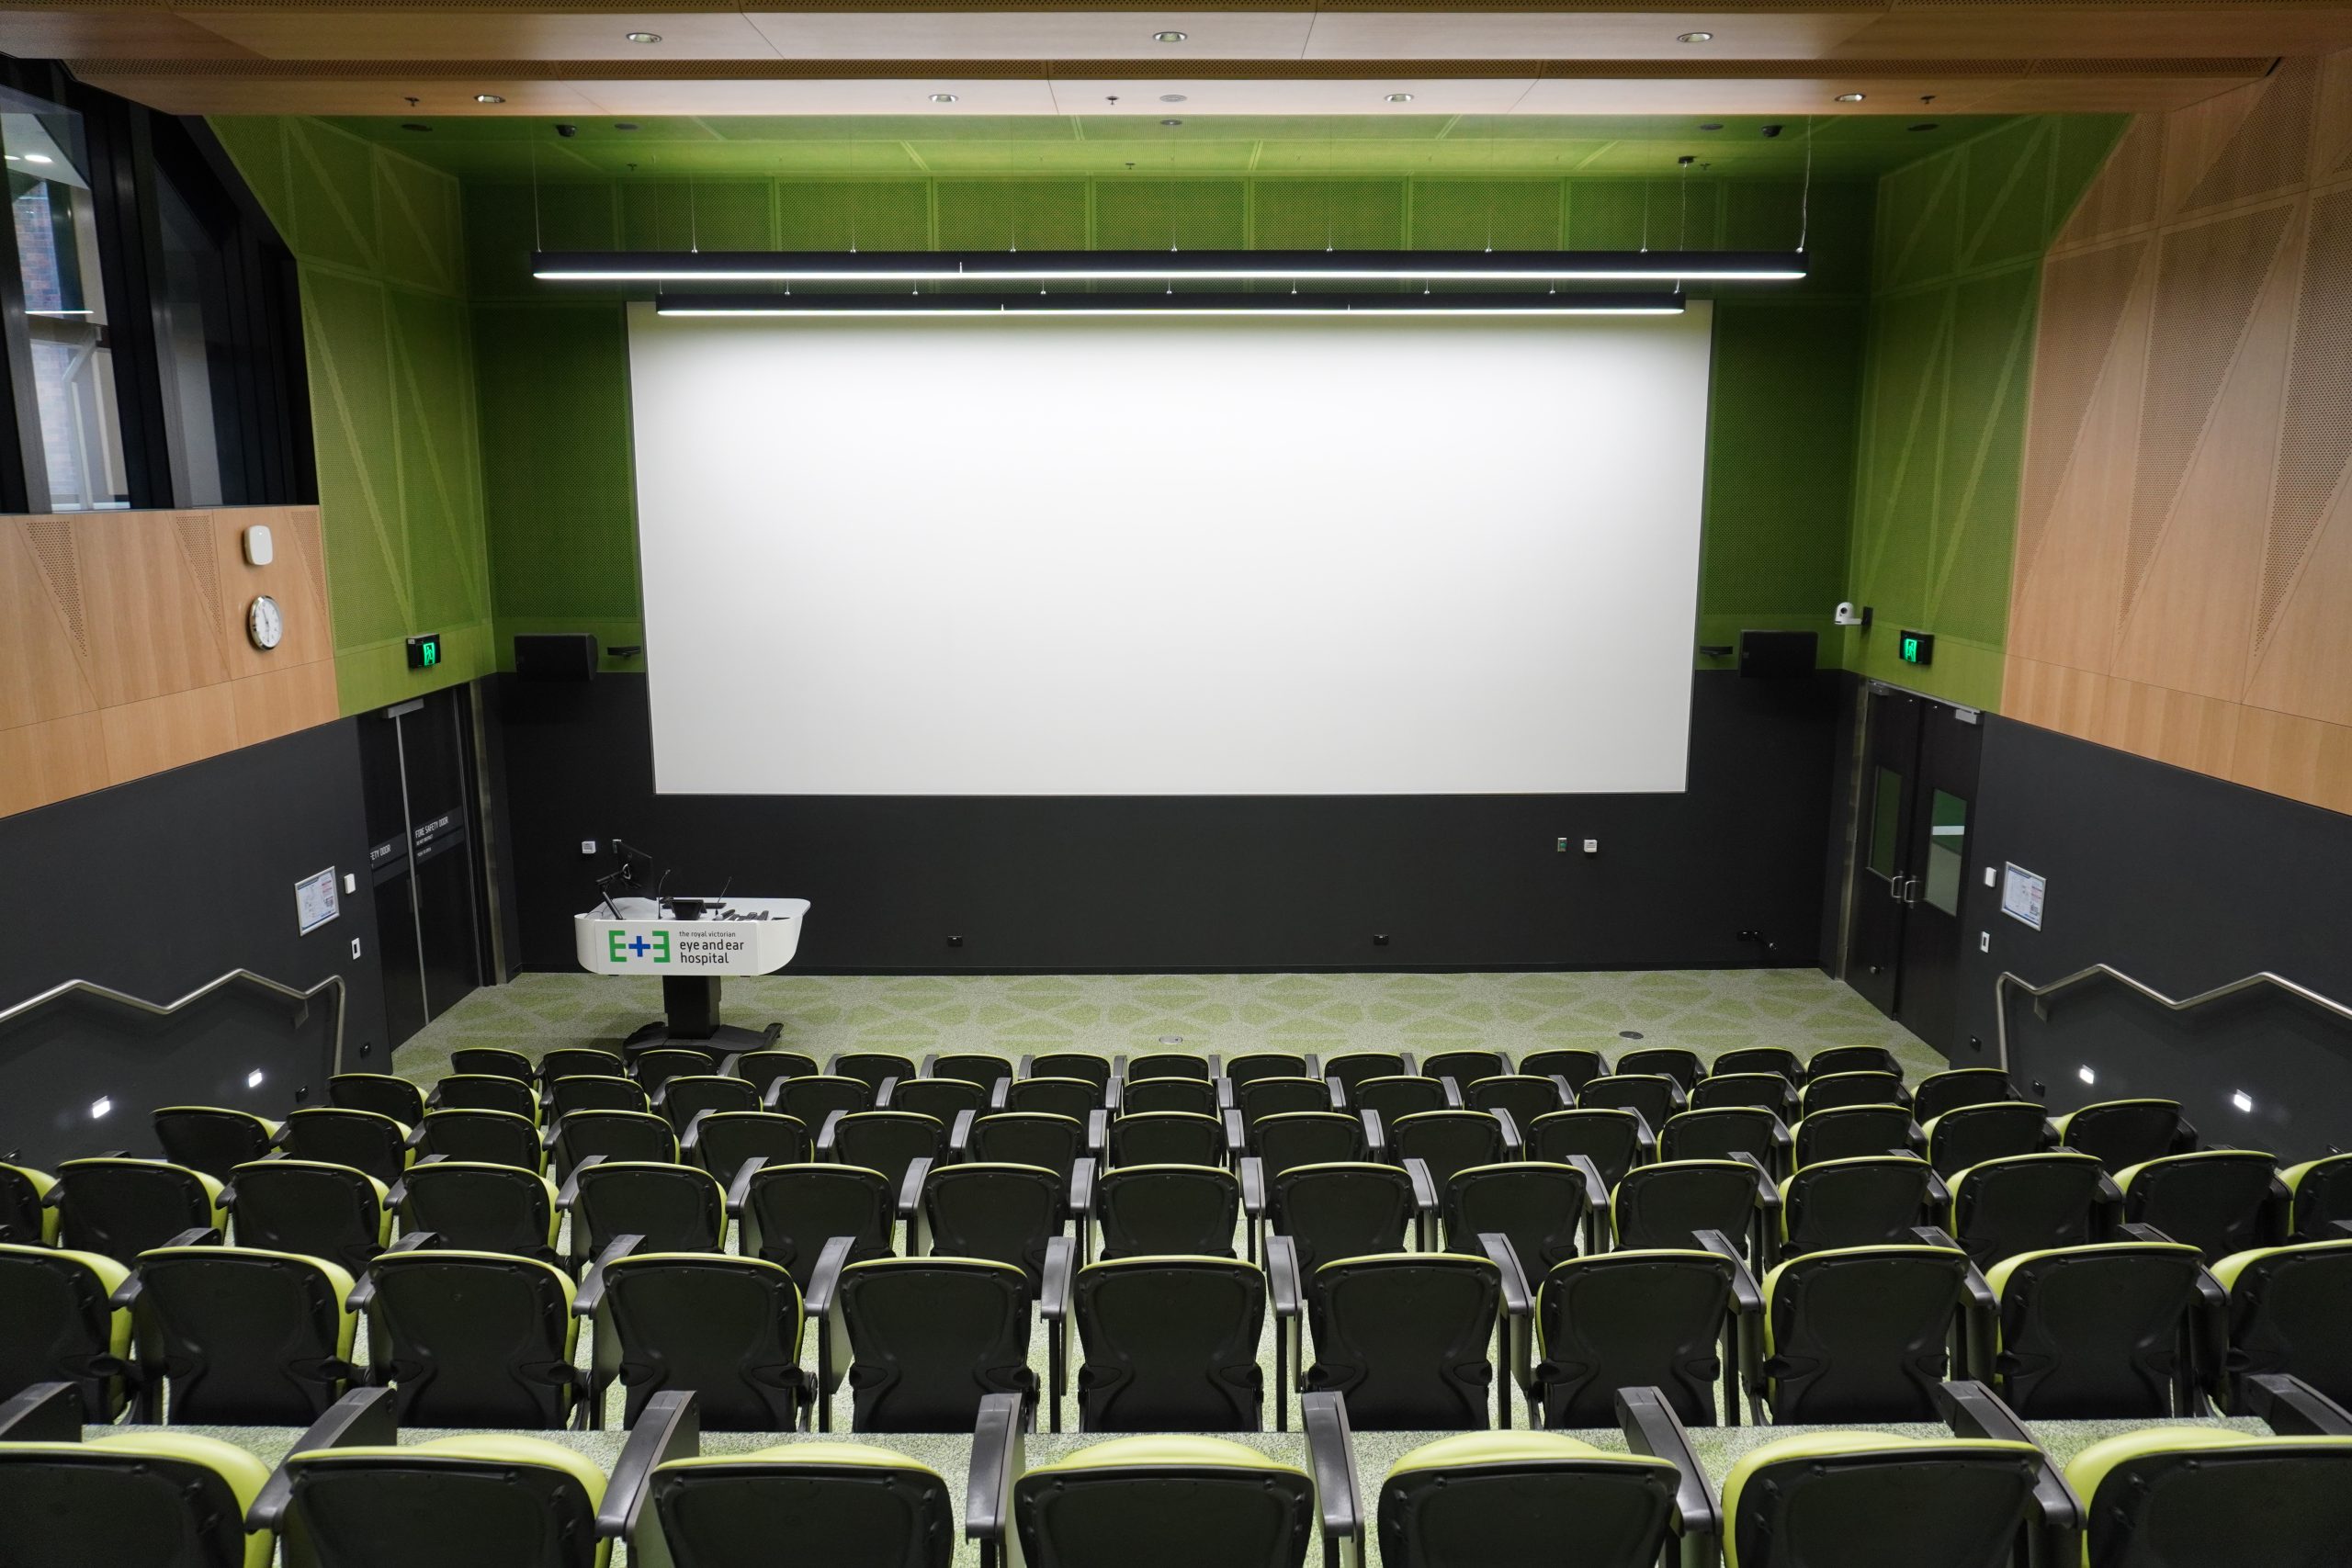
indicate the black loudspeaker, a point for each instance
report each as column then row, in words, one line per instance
column 1776, row 654
column 555, row 656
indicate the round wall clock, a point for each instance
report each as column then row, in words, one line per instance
column 264, row 623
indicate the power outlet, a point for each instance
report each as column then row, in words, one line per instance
column 1984, row 942
column 587, row 846
column 1592, row 846
column 355, row 947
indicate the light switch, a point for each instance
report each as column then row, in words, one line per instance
column 587, row 846
column 1592, row 846
column 1992, row 877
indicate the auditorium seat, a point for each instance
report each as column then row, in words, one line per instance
column 1167, row 1137
column 927, row 1339
column 2027, row 1203
column 1834, row 1059
column 654, row 1068
column 1667, row 1205
column 944, row 1098
column 615, row 1134
column 1827, row 1092
column 1352, row 1067
column 567, row 1061
column 1074, row 1097
column 674, row 1208
column 2219, row 1201
column 1259, row 1098
column 1142, row 1096
column 728, row 1329
column 61, row 1321
column 1525, row 1095
column 1339, row 1209
column 1721, row 1132
column 481, row 1208
column 484, row 1091
column 1615, row 1141
column 330, row 1212
column 1088, row 1065
column 1409, row 1340
column 26, row 1217
column 1652, row 1096
column 212, row 1139
column 1578, row 1064
column 473, row 1338
column 2287, row 1311
column 815, row 1097
column 2122, row 1133
column 1147, row 1210
column 1393, row 1098
column 2173, row 1496
column 720, row 1141
column 1157, row 1065
column 488, row 1137
column 1545, row 1210
column 1848, row 1132
column 492, row 1061
column 1021, row 1138
column 1194, row 1499
column 1970, row 1135
column 595, row 1091
column 1465, row 1066
column 1449, row 1141
column 1656, row 1317
column 1309, row 1137
column 999, row 1212
column 360, row 1139
column 1514, row 1500
column 1857, row 1498
column 1170, row 1344
column 1765, row 1091
column 764, row 1069
column 247, row 1337
column 979, row 1067
column 2092, row 1332
column 1684, row 1066
column 787, row 1212
column 1777, row 1059
column 122, row 1207
column 1867, row 1200
column 1859, row 1333
column 2318, row 1193
column 689, row 1094
column 846, row 1504
column 1939, row 1092
column 1269, row 1064
column 131, row 1500
column 380, row 1092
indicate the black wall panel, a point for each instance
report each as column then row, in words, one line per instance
column 1208, row 883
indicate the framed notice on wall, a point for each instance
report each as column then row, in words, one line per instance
column 315, row 902
column 2022, row 894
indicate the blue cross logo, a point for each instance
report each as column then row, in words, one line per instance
column 641, row 947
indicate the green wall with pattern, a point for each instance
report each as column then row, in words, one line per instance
column 380, row 242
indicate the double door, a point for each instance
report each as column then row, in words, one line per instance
column 418, row 773
column 1905, row 929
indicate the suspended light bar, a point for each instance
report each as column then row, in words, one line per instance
column 1588, row 304
column 1110, row 267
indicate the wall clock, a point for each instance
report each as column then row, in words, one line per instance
column 264, row 622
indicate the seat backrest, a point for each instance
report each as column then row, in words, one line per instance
column 1647, row 1318
column 1088, row 1065
column 688, row 1093
column 1540, row 1207
column 1054, row 1096
column 2122, row 1133
column 1198, row 1500
column 1831, row 1060
column 615, row 1134
column 1170, row 1344
column 1406, row 1338
column 1970, row 1135
column 1240, row 1069
column 728, row 1328
column 570, row 1061
column 56, row 1325
column 472, row 1338
column 1195, row 1095
column 2319, row 1196
column 595, row 1091
column 1005, row 1214
column 486, row 1091
column 791, row 1211
column 360, row 1139
column 1939, row 1092
column 132, row 1500
column 1465, row 1068
column 321, row 1210
column 1339, row 1209
column 1260, row 1098
column 1508, row 1499
column 1167, row 1137
column 1777, row 1059
column 247, row 1338
column 124, row 1207
column 872, row 1067
column 1766, row 1092
column 1307, row 1137
column 2288, row 1309
column 814, row 1098
column 1859, row 1334
column 846, row 1503
column 492, row 1061
column 1167, row 1210
column 1392, row 1099
column 2183, row 1494
column 483, row 1208
column 1868, row 1200
column 25, row 1218
column 1156, row 1065
column 764, row 1069
column 1851, row 1132
column 1578, row 1064
column 1611, row 1139
column 944, row 1098
column 930, row 1337
column 1667, row 1205
column 1857, row 1498
column 676, row 1208
column 1447, row 1141
column 1030, row 1137
column 2025, row 1203
column 2218, row 1201
column 1722, row 1131
column 471, row 1501
column 379, row 1092
column 1352, row 1067
column 1827, row 1092
column 975, row 1067
column 211, row 1138
column 1678, row 1063
column 490, row 1137
column 1652, row 1096
column 725, row 1139
column 2093, row 1333
column 659, row 1066
column 1524, row 1095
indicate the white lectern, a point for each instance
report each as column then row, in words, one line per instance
column 689, row 943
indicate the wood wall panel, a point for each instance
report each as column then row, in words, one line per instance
column 123, row 648
column 2183, row 580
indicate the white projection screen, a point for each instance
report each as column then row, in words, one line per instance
column 1223, row 556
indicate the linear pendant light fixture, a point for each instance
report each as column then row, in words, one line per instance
column 1149, row 304
column 1663, row 268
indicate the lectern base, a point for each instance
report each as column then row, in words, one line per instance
column 692, row 1005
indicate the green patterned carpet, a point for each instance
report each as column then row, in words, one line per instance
column 1710, row 1010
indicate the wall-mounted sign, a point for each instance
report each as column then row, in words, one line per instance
column 425, row 652
column 2022, row 893
column 315, row 902
column 1917, row 648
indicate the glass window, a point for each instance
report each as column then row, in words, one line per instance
column 1946, row 850
column 190, row 324
column 65, row 305
column 1886, row 822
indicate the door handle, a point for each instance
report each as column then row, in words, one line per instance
column 1911, row 890
column 1895, row 889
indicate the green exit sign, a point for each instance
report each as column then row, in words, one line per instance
column 1917, row 648
column 425, row 652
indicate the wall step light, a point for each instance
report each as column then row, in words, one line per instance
column 810, row 305
column 1103, row 266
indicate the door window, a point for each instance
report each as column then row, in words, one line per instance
column 1886, row 822
column 1946, row 850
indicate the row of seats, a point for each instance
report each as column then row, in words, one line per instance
column 349, row 1494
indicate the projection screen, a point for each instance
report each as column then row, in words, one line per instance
column 1207, row 556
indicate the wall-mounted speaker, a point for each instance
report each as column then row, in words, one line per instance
column 1776, row 655
column 555, row 656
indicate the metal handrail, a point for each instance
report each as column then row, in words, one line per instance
column 166, row 1010
column 2002, row 986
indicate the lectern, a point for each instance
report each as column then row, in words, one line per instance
column 689, row 944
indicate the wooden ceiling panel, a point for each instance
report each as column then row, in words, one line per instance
column 188, row 93
column 2173, row 31
column 1040, row 34
column 1145, row 99
column 291, row 32
column 90, row 34
column 899, row 95
column 1521, row 35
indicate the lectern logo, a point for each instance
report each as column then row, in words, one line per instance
column 621, row 947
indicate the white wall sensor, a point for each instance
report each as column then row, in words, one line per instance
column 259, row 549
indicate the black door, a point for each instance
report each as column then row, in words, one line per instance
column 418, row 758
column 1874, row 943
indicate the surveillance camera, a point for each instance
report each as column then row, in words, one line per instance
column 567, row 131
column 1848, row 615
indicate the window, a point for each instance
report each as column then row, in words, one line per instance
column 1946, row 850
column 1886, row 822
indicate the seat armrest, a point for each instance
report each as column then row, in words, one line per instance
column 1284, row 1285
column 1314, row 1064
column 1254, row 1187
column 774, row 1094
column 416, row 1134
column 2136, row 1230
column 2186, row 1140
column 667, row 1429
column 1644, row 1138
column 884, row 1090
column 1081, row 1190
column 1453, row 1101
column 739, row 1191
column 42, row 1413
column 362, row 1418
column 1223, row 1086
column 1518, row 1300
column 397, row 1194
column 196, row 1235
column 1060, row 1276
column 1595, row 1198
column 731, row 1066
column 1098, row 1131
column 549, row 1133
column 659, row 1097
column 1677, row 1097
column 959, row 1134
column 1768, row 1191
column 1652, row 1428
column 1564, row 1088
column 825, row 1283
column 571, row 1193
column 1938, row 1191
column 827, row 1136
column 1332, row 1457
column 1338, row 1093
column 1001, row 1092
column 690, row 1141
column 1028, row 1066
column 591, row 1294
column 1287, row 1293
column 910, row 1194
column 1425, row 1198
column 1375, row 1138
column 363, row 1292
column 1237, row 1136
column 1114, row 1093
column 1514, row 1147
column 2335, row 1230
column 1973, row 1410
column 1745, row 1296
column 997, row 1463
column 2293, row 1408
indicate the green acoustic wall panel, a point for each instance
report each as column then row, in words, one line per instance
column 1955, row 284
column 389, row 337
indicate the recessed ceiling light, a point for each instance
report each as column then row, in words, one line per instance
column 39, row 158
column 2086, row 1074
column 643, row 37
column 488, row 98
column 413, row 125
column 1400, row 97
column 1171, row 97
column 943, row 98
column 1168, row 38
column 1172, row 124
column 1717, row 126
column 1924, row 125
column 100, row 1107
column 1849, row 97
column 252, row 1079
column 1694, row 38
column 2243, row 1101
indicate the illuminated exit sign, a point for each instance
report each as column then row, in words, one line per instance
column 425, row 652
column 1917, row 648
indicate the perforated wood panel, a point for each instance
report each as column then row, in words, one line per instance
column 2184, row 578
